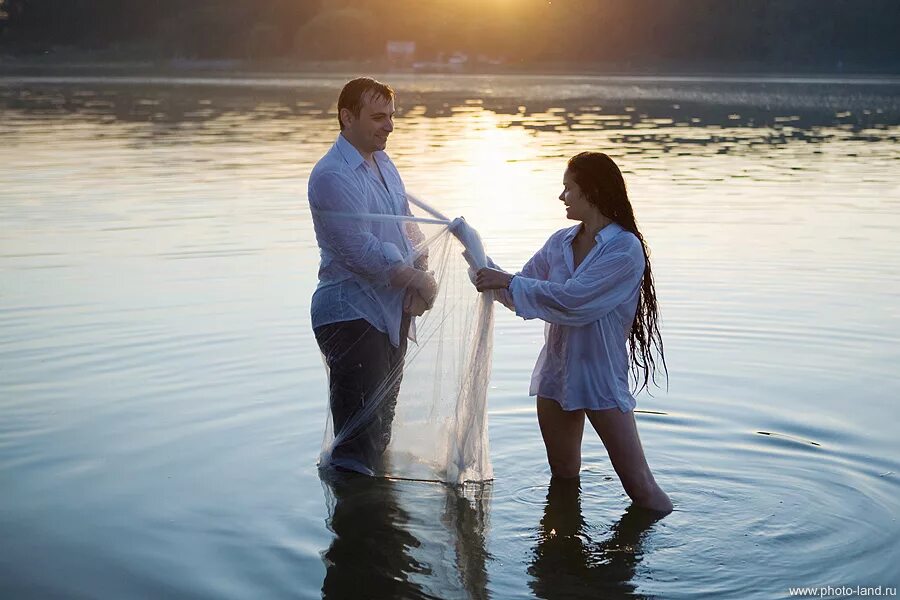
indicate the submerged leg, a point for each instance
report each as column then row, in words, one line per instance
column 392, row 378
column 619, row 434
column 562, row 432
column 359, row 362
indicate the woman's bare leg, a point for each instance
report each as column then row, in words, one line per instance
column 562, row 431
column 619, row 434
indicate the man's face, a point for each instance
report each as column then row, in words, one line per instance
column 369, row 132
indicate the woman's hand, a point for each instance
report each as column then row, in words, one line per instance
column 491, row 279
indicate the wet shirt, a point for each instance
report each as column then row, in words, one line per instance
column 588, row 312
column 358, row 255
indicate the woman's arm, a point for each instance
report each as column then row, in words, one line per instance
column 599, row 287
column 603, row 285
column 537, row 267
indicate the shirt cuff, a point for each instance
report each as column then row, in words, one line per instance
column 518, row 289
column 394, row 259
column 391, row 252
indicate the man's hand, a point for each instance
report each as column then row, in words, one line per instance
column 420, row 281
column 414, row 304
column 426, row 286
column 491, row 279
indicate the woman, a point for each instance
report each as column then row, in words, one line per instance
column 593, row 286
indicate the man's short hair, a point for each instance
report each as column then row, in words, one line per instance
column 353, row 96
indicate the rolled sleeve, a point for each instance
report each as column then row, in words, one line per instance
column 537, row 267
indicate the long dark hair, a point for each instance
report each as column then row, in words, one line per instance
column 602, row 184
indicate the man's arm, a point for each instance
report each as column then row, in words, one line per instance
column 348, row 238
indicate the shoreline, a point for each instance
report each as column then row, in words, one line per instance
column 36, row 69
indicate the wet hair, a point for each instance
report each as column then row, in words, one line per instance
column 603, row 186
column 355, row 92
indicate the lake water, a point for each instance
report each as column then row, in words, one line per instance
column 163, row 399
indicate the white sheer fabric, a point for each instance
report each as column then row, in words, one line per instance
column 439, row 430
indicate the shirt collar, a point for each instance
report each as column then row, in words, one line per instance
column 609, row 232
column 349, row 152
column 352, row 155
column 603, row 236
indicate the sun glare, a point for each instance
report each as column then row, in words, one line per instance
column 492, row 166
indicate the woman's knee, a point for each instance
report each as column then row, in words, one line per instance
column 564, row 457
column 562, row 432
column 565, row 470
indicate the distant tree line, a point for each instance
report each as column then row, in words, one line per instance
column 787, row 34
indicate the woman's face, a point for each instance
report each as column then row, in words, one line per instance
column 577, row 206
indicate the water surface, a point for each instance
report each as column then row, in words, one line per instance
column 163, row 399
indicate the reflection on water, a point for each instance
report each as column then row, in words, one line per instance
column 160, row 384
column 569, row 563
column 376, row 553
column 371, row 554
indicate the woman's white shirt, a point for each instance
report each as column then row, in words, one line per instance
column 588, row 312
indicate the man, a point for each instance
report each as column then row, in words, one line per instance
column 370, row 286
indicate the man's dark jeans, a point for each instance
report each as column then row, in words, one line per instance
column 364, row 367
